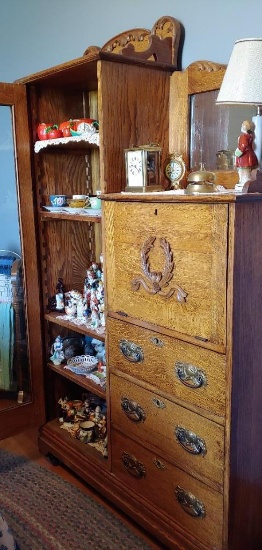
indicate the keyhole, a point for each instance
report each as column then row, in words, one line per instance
column 155, row 212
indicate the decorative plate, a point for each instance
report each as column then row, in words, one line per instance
column 82, row 364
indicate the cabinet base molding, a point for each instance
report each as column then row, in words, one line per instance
column 95, row 472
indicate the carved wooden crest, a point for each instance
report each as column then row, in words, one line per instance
column 158, row 45
column 206, row 66
column 156, row 281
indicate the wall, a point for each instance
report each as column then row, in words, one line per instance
column 36, row 34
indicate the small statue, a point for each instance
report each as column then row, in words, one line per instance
column 95, row 321
column 93, row 295
column 60, row 304
column 58, row 355
column 56, row 302
column 87, row 407
column 99, row 420
column 246, row 159
column 99, row 348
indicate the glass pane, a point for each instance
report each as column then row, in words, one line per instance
column 14, row 362
column 214, row 130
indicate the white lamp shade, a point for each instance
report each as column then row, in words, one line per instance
column 242, row 83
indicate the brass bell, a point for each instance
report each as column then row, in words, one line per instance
column 201, row 181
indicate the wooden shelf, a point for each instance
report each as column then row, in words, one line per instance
column 59, row 437
column 78, row 379
column 68, row 143
column 47, row 216
column 81, row 329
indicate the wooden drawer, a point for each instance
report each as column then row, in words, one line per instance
column 153, row 250
column 165, row 364
column 194, row 443
column 162, row 484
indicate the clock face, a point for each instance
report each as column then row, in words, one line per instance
column 175, row 168
column 135, row 165
column 135, row 174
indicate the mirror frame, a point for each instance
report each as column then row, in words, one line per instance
column 200, row 76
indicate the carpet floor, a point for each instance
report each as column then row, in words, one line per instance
column 46, row 512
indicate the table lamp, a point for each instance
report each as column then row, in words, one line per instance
column 242, row 83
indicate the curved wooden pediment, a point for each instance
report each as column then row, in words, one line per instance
column 160, row 45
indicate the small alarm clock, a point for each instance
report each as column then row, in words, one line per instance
column 175, row 169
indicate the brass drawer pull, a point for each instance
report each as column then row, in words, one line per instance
column 191, row 442
column 189, row 503
column 133, row 466
column 190, row 376
column 158, row 403
column 131, row 351
column 160, row 465
column 133, row 410
column 157, row 342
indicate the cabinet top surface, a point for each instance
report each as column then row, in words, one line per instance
column 172, row 197
column 78, row 72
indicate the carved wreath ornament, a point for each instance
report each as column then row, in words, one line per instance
column 156, row 281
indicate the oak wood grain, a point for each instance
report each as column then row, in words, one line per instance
column 158, row 368
column 158, row 430
column 159, row 484
column 198, row 242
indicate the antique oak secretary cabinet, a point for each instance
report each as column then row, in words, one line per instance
column 183, row 300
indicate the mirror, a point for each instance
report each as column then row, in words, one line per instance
column 15, row 386
column 214, row 131
column 200, row 129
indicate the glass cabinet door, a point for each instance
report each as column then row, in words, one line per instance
column 21, row 360
column 15, row 383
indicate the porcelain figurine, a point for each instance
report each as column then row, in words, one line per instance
column 60, row 304
column 246, row 159
column 99, row 348
column 58, row 355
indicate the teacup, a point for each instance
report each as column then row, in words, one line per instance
column 77, row 197
column 78, row 201
column 58, row 200
column 95, row 202
column 87, row 429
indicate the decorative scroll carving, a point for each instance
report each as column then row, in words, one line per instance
column 91, row 51
column 157, row 280
column 159, row 45
column 208, row 66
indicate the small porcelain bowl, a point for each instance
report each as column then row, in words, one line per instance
column 77, row 202
column 58, row 200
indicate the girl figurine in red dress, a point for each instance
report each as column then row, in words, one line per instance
column 246, row 159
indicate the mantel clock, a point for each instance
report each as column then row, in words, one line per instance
column 143, row 169
column 175, row 169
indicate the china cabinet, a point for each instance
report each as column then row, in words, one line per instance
column 125, row 86
column 181, row 454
